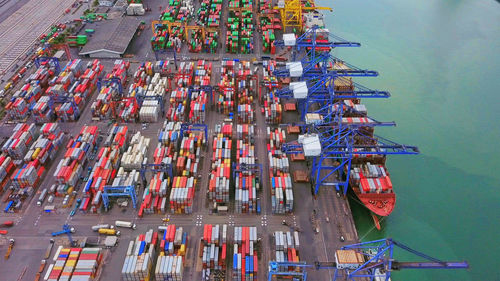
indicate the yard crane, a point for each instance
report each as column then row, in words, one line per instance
column 68, row 230
column 374, row 261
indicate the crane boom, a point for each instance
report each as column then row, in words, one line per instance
column 428, row 265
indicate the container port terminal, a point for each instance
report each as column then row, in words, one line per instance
column 188, row 140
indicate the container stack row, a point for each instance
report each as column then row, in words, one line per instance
column 199, row 96
column 102, row 107
column 179, row 97
column 68, row 92
column 136, row 153
column 70, row 167
column 6, row 168
column 152, row 96
column 269, row 80
column 105, row 168
column 268, row 25
column 282, row 198
column 173, row 246
column 23, row 136
column 209, row 16
column 247, row 180
column 186, row 169
column 220, row 176
column 156, row 194
column 226, row 98
column 246, row 90
column 286, row 248
column 245, row 260
column 44, row 149
column 239, row 37
column 213, row 251
column 74, row 264
column 19, row 106
column 140, row 256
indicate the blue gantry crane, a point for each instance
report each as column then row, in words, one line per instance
column 68, row 230
column 332, row 142
column 206, row 88
column 320, row 92
column 310, row 42
column 374, row 260
column 52, row 61
column 142, row 97
column 248, row 168
column 155, row 168
column 188, row 128
column 110, row 82
column 118, row 191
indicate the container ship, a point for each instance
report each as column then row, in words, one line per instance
column 369, row 178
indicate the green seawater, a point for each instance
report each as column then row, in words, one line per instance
column 440, row 59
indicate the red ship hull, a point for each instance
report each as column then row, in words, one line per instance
column 381, row 204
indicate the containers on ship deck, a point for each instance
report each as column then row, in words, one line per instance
column 371, row 178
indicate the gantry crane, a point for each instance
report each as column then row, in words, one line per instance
column 118, row 191
column 372, row 260
column 322, row 91
column 291, row 13
column 52, row 61
column 316, row 40
column 332, row 142
column 68, row 230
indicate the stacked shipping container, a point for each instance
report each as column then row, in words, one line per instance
column 173, row 246
column 105, row 168
column 140, row 256
column 220, row 176
column 155, row 196
column 287, row 248
column 101, row 108
column 213, row 251
column 74, row 264
column 68, row 92
column 226, row 98
column 245, row 261
column 280, row 178
column 18, row 143
column 25, row 98
column 70, row 167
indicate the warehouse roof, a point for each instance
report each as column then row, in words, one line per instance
column 113, row 36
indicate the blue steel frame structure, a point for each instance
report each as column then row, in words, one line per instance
column 340, row 142
column 379, row 263
column 51, row 60
column 66, row 229
column 118, row 191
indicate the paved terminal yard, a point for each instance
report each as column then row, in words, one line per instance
column 33, row 227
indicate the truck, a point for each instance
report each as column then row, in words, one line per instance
column 96, row 228
column 125, row 224
column 42, row 196
column 109, row 231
